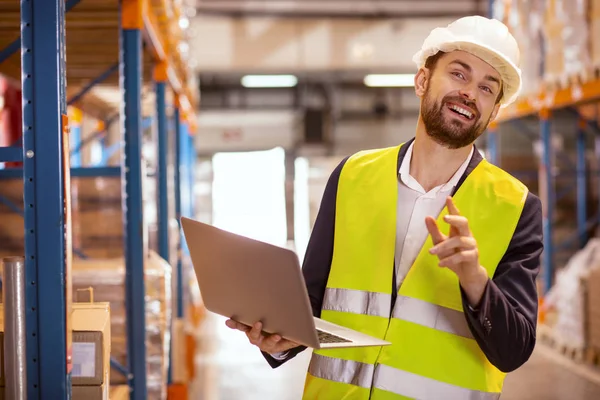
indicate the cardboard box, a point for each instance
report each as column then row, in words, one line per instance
column 91, row 344
column 89, row 393
column 120, row 392
column 98, row 392
column 593, row 309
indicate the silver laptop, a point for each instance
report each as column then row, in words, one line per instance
column 248, row 281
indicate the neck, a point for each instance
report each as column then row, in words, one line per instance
column 433, row 164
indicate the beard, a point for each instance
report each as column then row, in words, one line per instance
column 450, row 132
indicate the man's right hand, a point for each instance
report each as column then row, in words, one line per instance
column 268, row 343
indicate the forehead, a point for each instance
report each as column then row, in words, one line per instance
column 476, row 64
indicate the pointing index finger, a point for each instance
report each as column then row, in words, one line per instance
column 434, row 231
column 452, row 210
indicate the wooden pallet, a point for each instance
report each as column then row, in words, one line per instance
column 547, row 336
column 592, row 356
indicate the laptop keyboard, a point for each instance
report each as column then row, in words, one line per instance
column 325, row 337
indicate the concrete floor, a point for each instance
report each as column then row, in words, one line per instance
column 229, row 368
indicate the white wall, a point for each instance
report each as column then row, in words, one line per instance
column 240, row 130
column 353, row 136
column 259, row 44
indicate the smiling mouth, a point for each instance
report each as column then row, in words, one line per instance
column 461, row 112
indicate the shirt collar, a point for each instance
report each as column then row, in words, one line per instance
column 412, row 183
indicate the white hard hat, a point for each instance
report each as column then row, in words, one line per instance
column 488, row 39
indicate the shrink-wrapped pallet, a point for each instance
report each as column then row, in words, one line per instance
column 107, row 277
column 567, row 298
column 575, row 36
column 566, row 40
column 97, row 217
column 524, row 19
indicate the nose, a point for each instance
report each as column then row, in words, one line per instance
column 467, row 93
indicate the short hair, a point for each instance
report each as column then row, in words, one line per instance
column 431, row 64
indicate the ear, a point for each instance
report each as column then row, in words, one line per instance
column 421, row 81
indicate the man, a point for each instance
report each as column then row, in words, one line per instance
column 426, row 244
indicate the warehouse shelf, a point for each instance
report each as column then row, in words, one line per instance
column 578, row 97
column 573, row 95
column 112, row 60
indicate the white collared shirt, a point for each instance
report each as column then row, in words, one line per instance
column 414, row 204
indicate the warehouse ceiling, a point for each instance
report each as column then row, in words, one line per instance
column 343, row 8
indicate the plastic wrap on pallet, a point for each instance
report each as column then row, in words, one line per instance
column 568, row 296
column 107, row 277
column 566, row 40
column 97, row 217
column 575, row 36
column 524, row 19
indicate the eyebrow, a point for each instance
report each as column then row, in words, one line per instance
column 469, row 69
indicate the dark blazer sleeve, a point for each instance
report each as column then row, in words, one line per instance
column 504, row 322
column 318, row 256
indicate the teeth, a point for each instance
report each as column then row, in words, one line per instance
column 464, row 112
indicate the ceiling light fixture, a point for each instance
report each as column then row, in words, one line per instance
column 269, row 81
column 390, row 80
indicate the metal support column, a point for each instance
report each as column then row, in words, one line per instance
column 187, row 165
column 188, row 203
column 45, row 180
column 160, row 76
column 290, row 174
column 492, row 144
column 581, row 185
column 130, row 57
column 75, row 117
column 548, row 198
column 179, row 167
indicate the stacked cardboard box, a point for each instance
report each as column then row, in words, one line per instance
column 90, row 377
column 107, row 277
column 593, row 309
column 524, row 19
column 558, row 39
column 97, row 217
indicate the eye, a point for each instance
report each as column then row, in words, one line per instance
column 487, row 89
column 458, row 75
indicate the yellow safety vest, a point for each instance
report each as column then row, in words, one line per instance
column 433, row 355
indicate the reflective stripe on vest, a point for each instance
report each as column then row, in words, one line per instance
column 392, row 380
column 432, row 316
column 414, row 386
column 358, row 302
column 343, row 371
column 406, row 308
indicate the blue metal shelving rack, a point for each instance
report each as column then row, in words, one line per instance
column 46, row 176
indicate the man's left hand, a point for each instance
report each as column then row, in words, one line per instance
column 458, row 252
